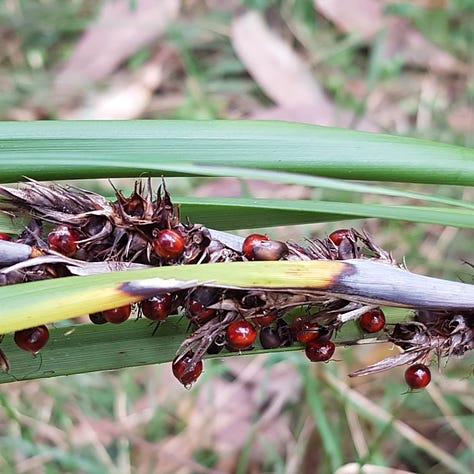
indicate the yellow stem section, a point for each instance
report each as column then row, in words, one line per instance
column 31, row 304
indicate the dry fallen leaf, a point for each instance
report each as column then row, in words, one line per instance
column 361, row 17
column 119, row 31
column 365, row 19
column 277, row 69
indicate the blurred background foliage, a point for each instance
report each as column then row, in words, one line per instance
column 396, row 67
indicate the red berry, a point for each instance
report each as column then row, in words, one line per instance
column 250, row 243
column 269, row 338
column 337, row 236
column 63, row 239
column 185, row 370
column 169, row 244
column 372, row 321
column 158, row 307
column 304, row 331
column 117, row 315
column 240, row 335
column 417, row 376
column 32, row 339
column 319, row 351
column 4, row 236
column 264, row 319
column 198, row 313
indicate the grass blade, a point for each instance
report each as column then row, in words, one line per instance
column 82, row 149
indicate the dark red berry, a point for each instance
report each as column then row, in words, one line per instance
column 304, row 331
column 169, row 244
column 319, row 351
column 157, row 308
column 337, row 236
column 4, row 236
column 117, row 315
column 269, row 250
column 372, row 321
column 198, row 313
column 185, row 370
column 240, row 335
column 417, row 376
column 250, row 243
column 63, row 239
column 97, row 318
column 264, row 319
column 32, row 339
column 269, row 338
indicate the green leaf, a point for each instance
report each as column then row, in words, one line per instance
column 71, row 150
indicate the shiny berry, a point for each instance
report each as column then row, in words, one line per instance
column 158, row 307
column 198, row 313
column 32, row 339
column 250, row 243
column 304, row 331
column 337, row 236
column 264, row 319
column 4, row 236
column 63, row 239
column 169, row 244
column 319, row 351
column 269, row 250
column 185, row 370
column 269, row 338
column 417, row 376
column 97, row 318
column 372, row 321
column 117, row 315
column 240, row 335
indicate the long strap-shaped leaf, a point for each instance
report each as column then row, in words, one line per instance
column 30, row 304
column 72, row 150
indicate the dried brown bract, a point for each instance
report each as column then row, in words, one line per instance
column 442, row 334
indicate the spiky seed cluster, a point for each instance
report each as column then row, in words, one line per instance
column 148, row 230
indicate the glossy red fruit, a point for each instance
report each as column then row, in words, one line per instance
column 319, row 351
column 63, row 239
column 240, row 335
column 4, row 236
column 169, row 244
column 264, row 319
column 185, row 370
column 304, row 331
column 372, row 321
column 117, row 315
column 157, row 308
column 250, row 243
column 32, row 339
column 417, row 376
column 337, row 236
column 198, row 313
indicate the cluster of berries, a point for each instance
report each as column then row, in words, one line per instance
column 142, row 230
